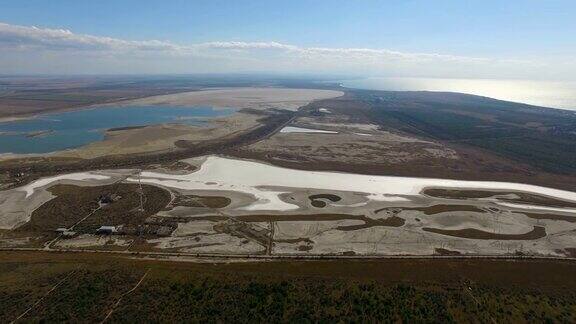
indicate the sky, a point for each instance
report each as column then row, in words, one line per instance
column 527, row 39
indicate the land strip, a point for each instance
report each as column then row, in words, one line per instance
column 360, row 290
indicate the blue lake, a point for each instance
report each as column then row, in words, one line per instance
column 65, row 130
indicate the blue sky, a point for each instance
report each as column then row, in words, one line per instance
column 538, row 32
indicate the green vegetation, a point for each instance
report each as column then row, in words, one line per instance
column 543, row 138
column 73, row 203
column 318, row 291
column 202, row 201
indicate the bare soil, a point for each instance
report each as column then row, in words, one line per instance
column 201, row 201
column 441, row 208
column 565, row 218
column 472, row 233
column 442, row 251
column 368, row 222
column 526, row 198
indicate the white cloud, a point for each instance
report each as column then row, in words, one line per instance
column 54, row 48
column 62, row 39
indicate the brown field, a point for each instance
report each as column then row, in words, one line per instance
column 442, row 251
column 459, row 193
column 201, row 201
column 472, row 233
column 571, row 219
column 441, row 208
column 346, row 290
column 331, row 197
column 315, row 202
column 523, row 197
column 73, row 203
column 368, row 222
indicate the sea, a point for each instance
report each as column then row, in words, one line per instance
column 552, row 94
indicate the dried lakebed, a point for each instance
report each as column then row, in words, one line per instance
column 247, row 207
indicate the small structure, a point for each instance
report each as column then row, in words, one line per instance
column 68, row 234
column 107, row 230
column 65, row 232
column 106, row 199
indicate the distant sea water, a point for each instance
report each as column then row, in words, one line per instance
column 540, row 93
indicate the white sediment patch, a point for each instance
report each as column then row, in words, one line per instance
column 292, row 129
column 268, row 200
column 82, row 176
column 542, row 208
column 385, row 197
column 255, row 98
column 356, row 126
column 257, row 178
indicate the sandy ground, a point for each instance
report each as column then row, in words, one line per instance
column 213, row 243
column 88, row 240
column 11, row 119
column 357, row 148
column 292, row 129
column 255, row 98
column 341, row 226
column 160, row 138
column 346, row 141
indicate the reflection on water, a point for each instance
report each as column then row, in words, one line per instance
column 540, row 93
column 59, row 131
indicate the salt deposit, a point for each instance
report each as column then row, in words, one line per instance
column 257, row 179
column 29, row 189
column 292, row 129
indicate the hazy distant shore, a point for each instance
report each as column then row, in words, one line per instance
column 553, row 94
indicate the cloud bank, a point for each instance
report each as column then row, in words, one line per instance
column 29, row 49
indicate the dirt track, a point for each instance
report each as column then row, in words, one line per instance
column 263, row 257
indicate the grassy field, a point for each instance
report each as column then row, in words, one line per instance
column 90, row 286
column 73, row 203
column 543, row 138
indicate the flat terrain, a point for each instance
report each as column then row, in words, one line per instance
column 166, row 217
column 360, row 132
column 27, row 96
column 429, row 134
column 253, row 98
column 269, row 109
column 89, row 287
column 444, row 135
column 216, row 205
